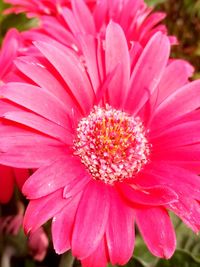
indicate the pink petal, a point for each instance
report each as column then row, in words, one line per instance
column 154, row 196
column 76, row 185
column 91, row 219
column 37, row 100
column 189, row 211
column 62, row 226
column 186, row 99
column 183, row 134
column 60, row 173
column 157, row 231
column 98, row 258
column 35, row 70
column 40, row 124
column 116, row 53
column 181, row 180
column 74, row 75
column 152, row 61
column 120, row 230
column 21, row 175
column 57, row 31
column 8, row 52
column 41, row 210
column 23, row 149
column 88, row 46
column 175, row 76
column 6, row 183
column 83, row 17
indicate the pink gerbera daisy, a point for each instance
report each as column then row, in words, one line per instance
column 115, row 143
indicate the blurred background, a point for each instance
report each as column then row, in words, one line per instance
column 183, row 21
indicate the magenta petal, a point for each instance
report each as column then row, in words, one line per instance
column 157, row 231
column 175, row 76
column 91, row 219
column 117, row 55
column 35, row 216
column 154, row 196
column 37, row 100
column 35, row 70
column 21, row 175
column 189, row 211
column 6, row 183
column 98, row 258
column 24, row 149
column 76, row 185
column 69, row 68
column 62, row 225
column 186, row 99
column 152, row 61
column 120, row 230
column 50, row 178
column 83, row 17
column 41, row 124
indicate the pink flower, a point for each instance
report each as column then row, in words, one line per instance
column 115, row 138
column 38, row 244
column 10, row 177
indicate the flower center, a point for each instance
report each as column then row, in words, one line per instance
column 111, row 144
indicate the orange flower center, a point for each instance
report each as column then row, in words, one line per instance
column 111, row 144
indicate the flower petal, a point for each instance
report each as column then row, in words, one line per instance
column 6, row 183
column 98, row 258
column 62, row 225
column 157, row 231
column 91, row 219
column 153, row 196
column 152, row 61
column 41, row 124
column 72, row 72
column 37, row 100
column 116, row 53
column 120, row 230
column 48, row 179
column 35, row 216
column 186, row 99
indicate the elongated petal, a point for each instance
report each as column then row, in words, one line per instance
column 157, row 231
column 117, row 54
column 37, row 100
column 98, row 258
column 120, row 230
column 38, row 72
column 189, row 211
column 152, row 61
column 48, row 179
column 93, row 211
column 72, row 73
column 83, row 17
column 35, row 216
column 153, row 196
column 186, row 99
column 40, row 124
column 62, row 226
column 180, row 135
